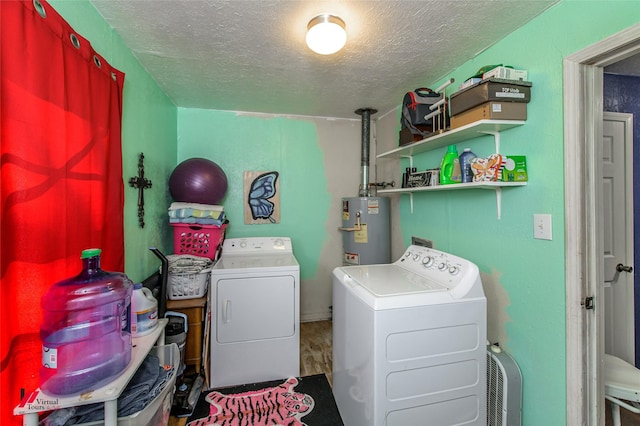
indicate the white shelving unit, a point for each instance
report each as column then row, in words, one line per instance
column 38, row 401
column 470, row 131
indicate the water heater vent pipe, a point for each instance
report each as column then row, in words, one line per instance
column 364, row 156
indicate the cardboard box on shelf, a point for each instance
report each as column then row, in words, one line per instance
column 493, row 89
column 406, row 137
column 514, row 169
column 491, row 111
column 505, row 73
column 423, row 178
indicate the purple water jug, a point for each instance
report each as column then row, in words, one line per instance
column 85, row 329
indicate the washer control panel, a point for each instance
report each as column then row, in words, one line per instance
column 434, row 264
column 256, row 245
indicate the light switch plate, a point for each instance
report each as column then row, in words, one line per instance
column 542, row 227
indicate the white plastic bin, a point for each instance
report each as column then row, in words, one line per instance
column 158, row 411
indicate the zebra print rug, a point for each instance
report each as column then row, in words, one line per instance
column 297, row 401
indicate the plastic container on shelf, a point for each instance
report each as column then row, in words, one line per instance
column 85, row 329
column 450, row 167
column 157, row 412
column 465, row 165
column 176, row 332
column 144, row 311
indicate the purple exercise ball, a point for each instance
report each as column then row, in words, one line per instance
column 198, row 180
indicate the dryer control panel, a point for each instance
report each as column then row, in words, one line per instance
column 257, row 245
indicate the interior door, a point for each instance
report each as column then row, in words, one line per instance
column 617, row 187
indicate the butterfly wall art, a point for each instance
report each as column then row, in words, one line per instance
column 262, row 195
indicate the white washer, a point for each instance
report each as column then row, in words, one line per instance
column 409, row 341
column 255, row 312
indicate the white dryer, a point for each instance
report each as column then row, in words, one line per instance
column 409, row 342
column 255, row 312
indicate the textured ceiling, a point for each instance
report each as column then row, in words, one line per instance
column 250, row 55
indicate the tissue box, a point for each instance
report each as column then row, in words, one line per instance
column 506, row 73
column 514, row 169
column 470, row 82
column 429, row 177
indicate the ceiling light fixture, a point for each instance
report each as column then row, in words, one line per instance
column 326, row 34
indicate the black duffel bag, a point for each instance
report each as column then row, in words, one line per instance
column 415, row 106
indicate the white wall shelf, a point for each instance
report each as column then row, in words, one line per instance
column 452, row 187
column 470, row 131
column 38, row 401
column 495, row 186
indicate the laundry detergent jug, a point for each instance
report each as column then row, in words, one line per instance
column 144, row 311
column 465, row 165
column 85, row 329
column 450, row 167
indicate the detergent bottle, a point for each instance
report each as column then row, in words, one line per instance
column 450, row 167
column 144, row 311
column 85, row 329
column 465, row 165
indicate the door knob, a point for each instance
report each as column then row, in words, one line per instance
column 622, row 268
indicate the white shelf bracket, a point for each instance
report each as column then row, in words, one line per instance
column 411, row 201
column 499, row 202
column 496, row 139
column 410, row 157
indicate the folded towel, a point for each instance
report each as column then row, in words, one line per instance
column 180, row 205
column 205, row 214
column 196, row 221
column 187, row 263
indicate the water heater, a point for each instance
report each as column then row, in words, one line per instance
column 365, row 231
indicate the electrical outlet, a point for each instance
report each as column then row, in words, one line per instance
column 542, row 226
column 423, row 242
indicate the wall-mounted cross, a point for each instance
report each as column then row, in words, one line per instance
column 141, row 183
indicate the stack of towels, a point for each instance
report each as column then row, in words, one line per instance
column 201, row 214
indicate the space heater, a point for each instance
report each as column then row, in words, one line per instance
column 504, row 389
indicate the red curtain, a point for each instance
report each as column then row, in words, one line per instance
column 61, row 179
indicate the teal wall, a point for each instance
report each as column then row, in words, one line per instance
column 318, row 161
column 149, row 125
column 524, row 278
column 239, row 143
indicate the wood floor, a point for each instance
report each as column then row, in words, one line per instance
column 316, row 349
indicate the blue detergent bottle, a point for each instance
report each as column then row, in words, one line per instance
column 465, row 165
column 450, row 167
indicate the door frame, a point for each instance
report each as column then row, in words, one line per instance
column 583, row 115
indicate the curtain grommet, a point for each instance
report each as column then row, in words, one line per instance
column 75, row 41
column 40, row 8
column 96, row 61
